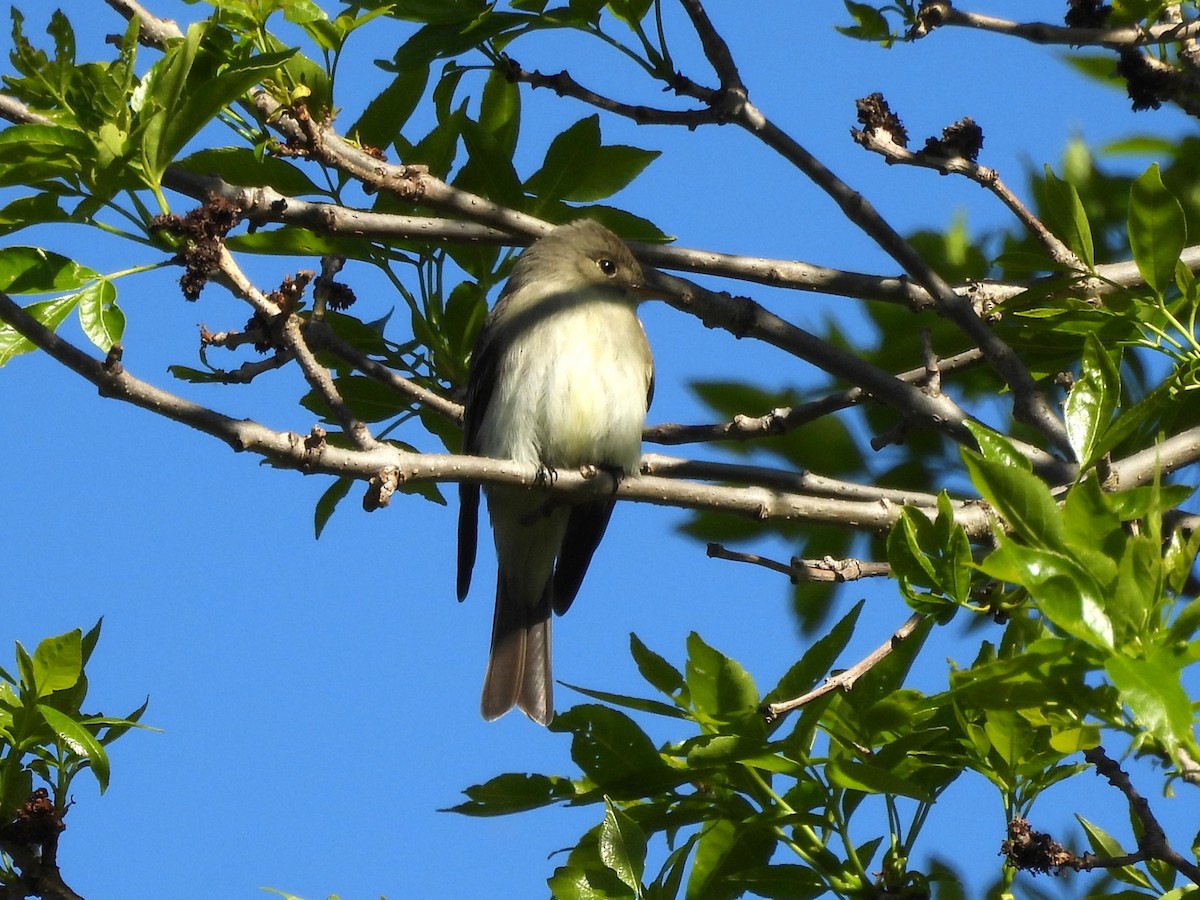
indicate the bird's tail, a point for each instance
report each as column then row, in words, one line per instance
column 518, row 670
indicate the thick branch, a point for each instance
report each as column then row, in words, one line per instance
column 743, row 317
column 1154, row 842
column 937, row 13
column 1029, row 404
column 153, row 31
column 313, row 455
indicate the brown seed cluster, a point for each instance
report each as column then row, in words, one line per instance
column 962, row 140
column 875, row 115
column 1033, row 851
column 1087, row 14
column 203, row 228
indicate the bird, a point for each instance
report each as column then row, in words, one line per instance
column 560, row 377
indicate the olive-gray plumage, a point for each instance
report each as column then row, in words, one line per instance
column 561, row 377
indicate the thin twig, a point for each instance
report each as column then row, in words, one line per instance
column 292, row 337
column 782, row 420
column 879, row 141
column 817, row 570
column 844, row 681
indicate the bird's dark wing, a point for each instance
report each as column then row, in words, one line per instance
column 479, row 393
column 585, row 528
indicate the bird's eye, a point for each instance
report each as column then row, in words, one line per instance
column 607, row 266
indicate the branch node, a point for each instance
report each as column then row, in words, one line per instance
column 381, row 487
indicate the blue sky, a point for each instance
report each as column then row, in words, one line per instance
column 318, row 699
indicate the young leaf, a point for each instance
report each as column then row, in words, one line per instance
column 1068, row 220
column 1152, row 690
column 100, row 317
column 1021, row 498
column 58, row 662
column 1157, row 231
column 654, row 668
column 79, row 740
column 1093, row 400
column 32, row 270
column 623, row 846
column 49, row 313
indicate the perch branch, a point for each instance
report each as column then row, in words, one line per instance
column 291, row 450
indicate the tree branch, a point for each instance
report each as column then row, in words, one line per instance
column 153, row 31
column 937, row 13
column 1153, row 844
column 845, row 680
column 828, row 570
column 313, row 455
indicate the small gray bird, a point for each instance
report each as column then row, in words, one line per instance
column 561, row 377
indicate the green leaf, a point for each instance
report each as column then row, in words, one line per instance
column 36, row 209
column 1092, row 402
column 785, row 881
column 641, row 704
column 514, row 793
column 32, row 270
column 720, row 688
column 1067, row 218
column 300, row 242
column 333, row 495
column 1152, row 690
column 1064, row 591
column 631, row 12
column 500, row 111
column 655, row 669
column 385, row 115
column 997, row 448
column 101, row 318
column 79, row 741
column 857, row 776
column 49, row 313
column 1157, row 229
column 612, row 750
column 579, row 883
column 243, row 167
column 182, row 97
column 870, row 23
column 58, row 662
column 727, row 848
column 578, row 168
column 1021, row 498
column 1105, row 846
column 623, row 846
column 817, row 659
column 489, row 169
column 904, row 552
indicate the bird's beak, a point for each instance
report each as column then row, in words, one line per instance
column 652, row 287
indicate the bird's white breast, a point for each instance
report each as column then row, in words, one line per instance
column 571, row 390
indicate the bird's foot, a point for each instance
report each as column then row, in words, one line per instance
column 616, row 473
column 545, row 475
